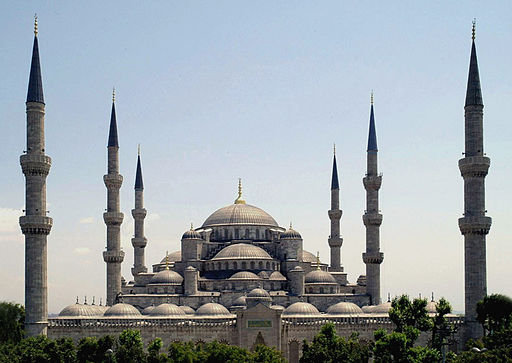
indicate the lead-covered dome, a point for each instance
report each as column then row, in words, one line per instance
column 240, row 214
column 319, row 277
column 77, row 309
column 167, row 309
column 244, row 275
column 300, row 309
column 212, row 309
column 121, row 310
column 172, row 257
column 187, row 310
column 242, row 251
column 344, row 308
column 166, row 277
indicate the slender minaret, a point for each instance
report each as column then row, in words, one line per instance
column 474, row 225
column 139, row 242
column 35, row 225
column 372, row 219
column 113, row 217
column 335, row 241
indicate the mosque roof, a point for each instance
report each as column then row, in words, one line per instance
column 166, row 277
column 167, row 309
column 122, row 309
column 148, row 310
column 212, row 309
column 187, row 310
column 242, row 251
column 319, row 277
column 240, row 214
column 173, row 257
column 290, row 233
column 343, row 308
column 307, row 257
column 258, row 293
column 244, row 275
column 240, row 301
column 79, row 310
column 277, row 276
column 191, row 234
column 300, row 308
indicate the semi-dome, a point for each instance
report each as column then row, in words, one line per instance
column 77, row 309
column 240, row 214
column 172, row 257
column 277, row 276
column 300, row 308
column 148, row 310
column 242, row 251
column 306, row 257
column 319, row 277
column 212, row 309
column 122, row 309
column 344, row 308
column 240, row 301
column 187, row 310
column 244, row 275
column 290, row 233
column 166, row 277
column 167, row 309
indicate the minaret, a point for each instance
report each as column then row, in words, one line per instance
column 113, row 217
column 474, row 225
column 372, row 219
column 139, row 213
column 335, row 241
column 35, row 225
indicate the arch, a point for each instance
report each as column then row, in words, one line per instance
column 218, row 266
column 252, row 265
column 273, row 265
column 260, row 265
column 244, row 265
column 247, row 232
column 321, row 290
column 257, row 234
column 237, row 233
column 293, row 351
column 258, row 341
column 226, row 266
column 235, row 265
column 268, row 265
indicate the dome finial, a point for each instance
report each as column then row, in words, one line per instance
column 138, row 150
column 85, row 300
column 35, row 25
column 239, row 200
column 166, row 260
column 318, row 260
column 433, row 296
column 334, row 149
column 389, row 297
column 290, row 225
column 113, row 94
column 191, row 226
column 77, row 300
column 371, row 97
column 473, row 29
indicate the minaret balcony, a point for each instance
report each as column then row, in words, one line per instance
column 475, row 225
column 372, row 219
column 113, row 256
column 113, row 181
column 335, row 241
column 139, row 213
column 372, row 182
column 36, row 224
column 335, row 214
column 373, row 258
column 139, row 242
column 113, row 218
column 474, row 166
column 35, row 164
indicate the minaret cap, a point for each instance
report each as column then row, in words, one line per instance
column 35, row 25
column 473, row 29
column 239, row 200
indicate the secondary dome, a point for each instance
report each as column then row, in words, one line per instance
column 258, row 293
column 343, row 308
column 382, row 308
column 212, row 309
column 319, row 277
column 187, row 309
column 300, row 308
column 291, row 234
column 277, row 276
column 166, row 277
column 244, row 275
column 172, row 257
column 79, row 310
column 240, row 301
column 122, row 309
column 148, row 310
column 306, row 257
column 167, row 309
column 431, row 307
column 242, row 251
column 191, row 234
column 240, row 214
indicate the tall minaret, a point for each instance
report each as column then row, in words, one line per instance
column 139, row 213
column 35, row 225
column 113, row 217
column 372, row 219
column 335, row 241
column 474, row 225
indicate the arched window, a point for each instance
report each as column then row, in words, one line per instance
column 237, row 233
column 218, row 266
column 257, row 234
column 268, row 265
column 235, row 265
column 226, row 266
column 252, row 265
column 244, row 265
column 260, row 265
column 247, row 233
column 321, row 290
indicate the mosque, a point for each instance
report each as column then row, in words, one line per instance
column 240, row 278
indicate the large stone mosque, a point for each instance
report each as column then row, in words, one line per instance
column 240, row 278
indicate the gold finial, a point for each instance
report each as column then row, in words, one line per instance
column 334, row 149
column 318, row 260
column 191, row 226
column 239, row 200
column 113, row 94
column 35, row 25
column 290, row 225
column 371, row 98
column 473, row 30
column 166, row 260
column 138, row 150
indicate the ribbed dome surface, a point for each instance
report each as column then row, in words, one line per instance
column 307, row 257
column 166, row 277
column 291, row 234
column 148, row 310
column 277, row 276
column 319, row 277
column 167, row 309
column 431, row 307
column 191, row 234
column 187, row 310
column 122, row 309
column 343, row 308
column 79, row 310
column 240, row 214
column 263, row 274
column 242, row 251
column 212, row 309
column 100, row 309
column 258, row 293
column 300, row 308
column 244, row 275
column 382, row 308
column 240, row 301
column 173, row 257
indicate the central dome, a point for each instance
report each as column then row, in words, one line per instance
column 242, row 251
column 240, row 214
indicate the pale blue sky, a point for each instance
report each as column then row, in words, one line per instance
column 259, row 90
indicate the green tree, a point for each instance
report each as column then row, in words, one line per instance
column 154, row 355
column 12, row 320
column 130, row 348
column 183, row 352
column 264, row 354
column 87, row 349
column 494, row 312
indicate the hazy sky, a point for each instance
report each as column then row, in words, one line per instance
column 259, row 90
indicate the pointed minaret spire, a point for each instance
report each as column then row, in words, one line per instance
column 334, row 181
column 139, row 185
column 35, row 82
column 335, row 241
column 139, row 242
column 372, row 135
column 112, row 135
column 473, row 91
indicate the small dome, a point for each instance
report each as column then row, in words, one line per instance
column 300, row 308
column 277, row 307
column 240, row 301
column 187, row 310
column 148, row 310
column 240, row 214
column 242, row 251
column 122, row 309
column 244, row 275
column 277, row 276
column 263, row 274
column 382, row 308
column 100, row 310
column 431, row 307
column 343, row 308
column 290, row 233
column 173, row 257
column 296, row 269
column 258, row 293
column 368, row 309
column 191, row 234
column 307, row 257
column 76, row 310
column 319, row 277
column 167, row 309
column 212, row 309
column 166, row 277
